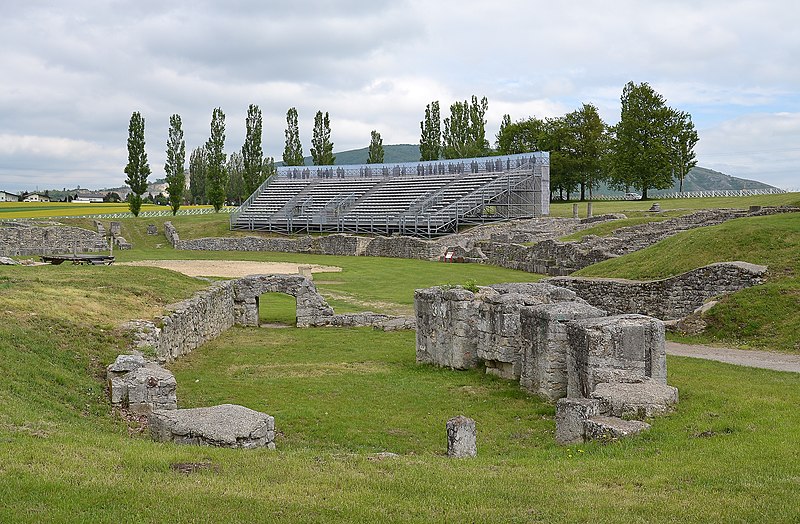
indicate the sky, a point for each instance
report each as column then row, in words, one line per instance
column 74, row 72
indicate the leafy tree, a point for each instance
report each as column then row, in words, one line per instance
column 375, row 155
column 430, row 142
column 684, row 138
column 236, row 178
column 216, row 175
column 111, row 196
column 641, row 155
column 198, row 167
column 252, row 154
column 322, row 147
column 137, row 169
column 465, row 129
column 176, row 163
column 520, row 137
column 586, row 144
column 293, row 150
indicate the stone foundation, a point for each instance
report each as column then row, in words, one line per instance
column 227, row 425
column 667, row 299
column 621, row 348
column 24, row 239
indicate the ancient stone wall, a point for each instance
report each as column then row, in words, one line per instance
column 18, row 239
column 312, row 310
column 195, row 321
column 666, row 299
column 461, row 329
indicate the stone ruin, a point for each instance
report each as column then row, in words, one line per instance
column 144, row 388
column 601, row 370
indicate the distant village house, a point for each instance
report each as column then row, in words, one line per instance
column 36, row 197
column 5, row 196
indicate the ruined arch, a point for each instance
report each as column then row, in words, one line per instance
column 312, row 310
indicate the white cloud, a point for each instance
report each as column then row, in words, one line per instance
column 74, row 72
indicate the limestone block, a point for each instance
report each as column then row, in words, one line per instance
column 151, row 387
column 612, row 428
column 635, row 400
column 462, row 440
column 571, row 413
column 544, row 345
column 126, row 364
column 152, row 229
column 620, row 348
column 5, row 261
column 226, row 425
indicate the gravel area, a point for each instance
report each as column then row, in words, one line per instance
column 231, row 268
column 739, row 357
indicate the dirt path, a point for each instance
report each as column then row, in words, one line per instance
column 231, row 268
column 739, row 357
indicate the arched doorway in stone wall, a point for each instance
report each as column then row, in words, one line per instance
column 310, row 308
column 277, row 309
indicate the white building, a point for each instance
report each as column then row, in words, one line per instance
column 5, row 196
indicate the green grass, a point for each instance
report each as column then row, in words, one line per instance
column 340, row 395
column 764, row 316
column 564, row 209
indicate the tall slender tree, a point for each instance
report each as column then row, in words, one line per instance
column 321, row 145
column 465, row 129
column 293, row 150
column 430, row 142
column 520, row 137
column 175, row 166
column 375, row 155
column 198, row 166
column 137, row 169
column 235, row 192
column 684, row 138
column 216, row 176
column 252, row 154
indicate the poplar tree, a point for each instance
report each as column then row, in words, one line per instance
column 322, row 147
column 175, row 166
column 375, row 155
column 236, row 182
column 137, row 169
column 430, row 141
column 216, row 175
column 293, row 150
column 684, row 138
column 198, row 166
column 252, row 154
column 465, row 129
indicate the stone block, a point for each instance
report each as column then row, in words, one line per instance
column 150, row 388
column 544, row 345
column 620, row 348
column 637, row 400
column 226, row 425
column 152, row 229
column 612, row 428
column 571, row 413
column 462, row 439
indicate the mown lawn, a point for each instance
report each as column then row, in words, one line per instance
column 339, row 396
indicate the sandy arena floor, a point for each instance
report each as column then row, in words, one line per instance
column 231, row 268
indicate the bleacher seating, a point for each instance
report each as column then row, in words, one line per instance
column 398, row 198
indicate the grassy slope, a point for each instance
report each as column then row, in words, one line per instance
column 763, row 316
column 340, row 394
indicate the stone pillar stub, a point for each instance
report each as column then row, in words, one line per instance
column 571, row 414
column 462, row 440
column 619, row 348
column 545, row 345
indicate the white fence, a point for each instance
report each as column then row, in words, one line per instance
column 143, row 214
column 702, row 194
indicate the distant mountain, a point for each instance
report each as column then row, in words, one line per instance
column 391, row 154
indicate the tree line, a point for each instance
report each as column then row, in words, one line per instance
column 652, row 145
column 215, row 177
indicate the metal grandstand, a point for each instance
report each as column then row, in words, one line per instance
column 411, row 198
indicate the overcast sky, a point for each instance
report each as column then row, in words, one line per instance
column 73, row 72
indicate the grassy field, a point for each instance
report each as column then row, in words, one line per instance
column 10, row 210
column 339, row 396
